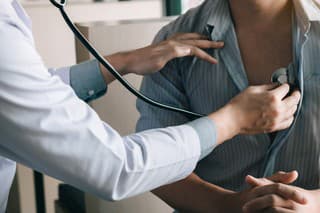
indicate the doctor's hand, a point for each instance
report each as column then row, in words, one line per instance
column 152, row 58
column 258, row 109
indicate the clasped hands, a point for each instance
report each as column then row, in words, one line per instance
column 274, row 194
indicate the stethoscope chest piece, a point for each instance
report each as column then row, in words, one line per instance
column 280, row 76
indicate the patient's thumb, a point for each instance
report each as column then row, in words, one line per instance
column 254, row 182
column 279, row 177
column 284, row 177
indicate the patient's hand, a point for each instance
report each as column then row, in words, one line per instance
column 152, row 58
column 235, row 202
column 269, row 196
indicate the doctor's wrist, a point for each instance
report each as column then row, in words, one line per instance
column 226, row 126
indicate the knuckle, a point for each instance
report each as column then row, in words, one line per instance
column 272, row 127
column 292, row 205
column 172, row 45
column 272, row 200
column 277, row 187
column 273, row 99
column 294, row 193
column 276, row 113
column 175, row 51
column 158, row 64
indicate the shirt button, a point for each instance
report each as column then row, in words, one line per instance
column 91, row 92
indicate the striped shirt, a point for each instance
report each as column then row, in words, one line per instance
column 202, row 87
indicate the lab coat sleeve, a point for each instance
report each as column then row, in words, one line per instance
column 45, row 126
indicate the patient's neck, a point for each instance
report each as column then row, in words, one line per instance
column 261, row 14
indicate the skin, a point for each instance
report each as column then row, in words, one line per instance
column 253, row 21
column 270, row 196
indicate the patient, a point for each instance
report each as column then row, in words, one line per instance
column 260, row 36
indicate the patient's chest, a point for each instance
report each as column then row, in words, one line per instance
column 263, row 54
column 210, row 87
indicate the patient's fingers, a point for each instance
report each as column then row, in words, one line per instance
column 202, row 55
column 279, row 177
column 185, row 36
column 253, row 182
column 278, row 210
column 284, row 177
column 204, row 44
column 267, row 202
column 187, row 50
column 285, row 191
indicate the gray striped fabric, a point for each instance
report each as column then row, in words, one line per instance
column 201, row 87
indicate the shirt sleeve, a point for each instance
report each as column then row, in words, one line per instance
column 85, row 79
column 167, row 87
column 45, row 126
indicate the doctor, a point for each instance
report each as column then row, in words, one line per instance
column 45, row 125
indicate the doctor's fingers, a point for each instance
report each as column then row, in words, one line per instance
column 284, row 124
column 268, row 203
column 289, row 112
column 281, row 91
column 293, row 99
column 265, row 87
column 285, row 117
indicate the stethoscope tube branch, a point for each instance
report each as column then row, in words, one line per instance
column 113, row 71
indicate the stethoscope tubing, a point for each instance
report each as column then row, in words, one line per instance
column 112, row 70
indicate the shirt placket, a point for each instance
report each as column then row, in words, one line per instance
column 282, row 137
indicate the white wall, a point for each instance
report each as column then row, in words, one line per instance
column 52, row 39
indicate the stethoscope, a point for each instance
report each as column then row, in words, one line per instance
column 60, row 5
column 280, row 76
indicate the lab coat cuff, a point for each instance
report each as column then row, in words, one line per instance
column 206, row 130
column 87, row 81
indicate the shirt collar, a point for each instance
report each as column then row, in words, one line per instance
column 307, row 11
column 219, row 19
